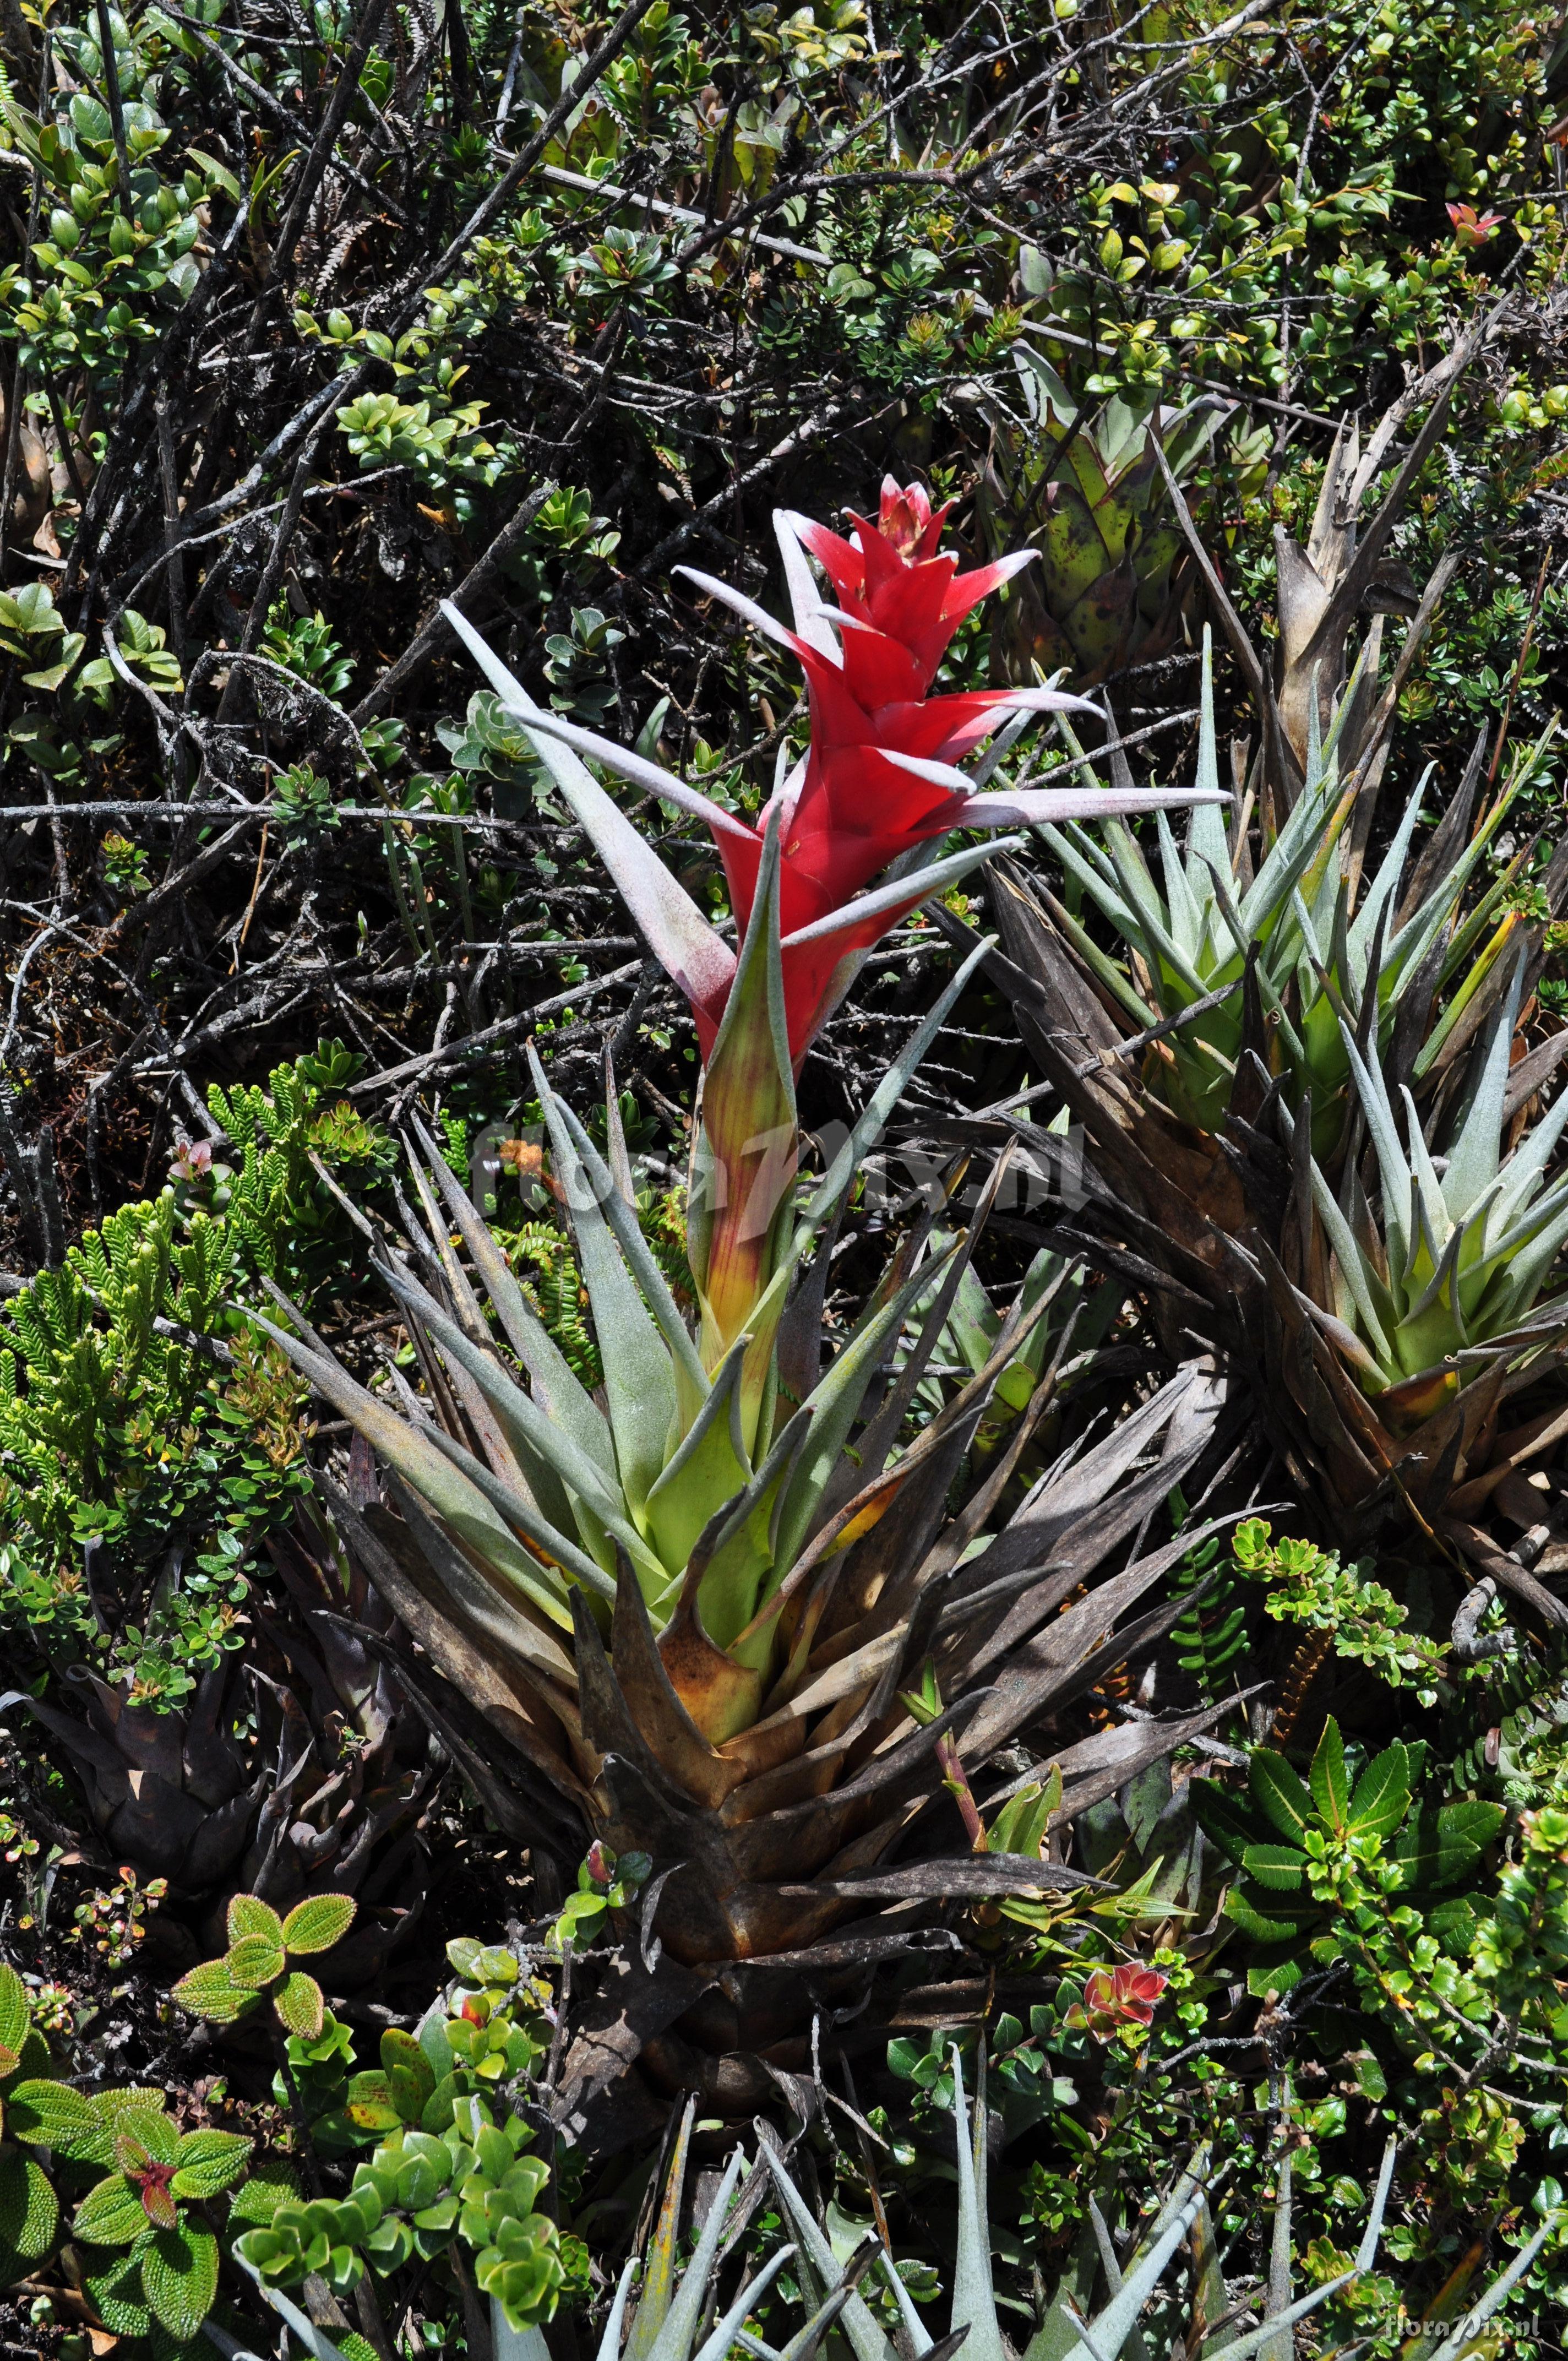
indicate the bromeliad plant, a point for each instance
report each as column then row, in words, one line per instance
column 1141, row 2299
column 1283, row 1007
column 706, row 1516
column 876, row 795
column 1107, row 591
column 1435, row 1284
column 1194, row 932
column 1178, row 2281
column 1384, row 1311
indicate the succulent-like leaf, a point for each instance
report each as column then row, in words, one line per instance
column 315, row 2339
column 370, row 2103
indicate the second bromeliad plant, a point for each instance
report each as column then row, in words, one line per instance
column 1307, row 1100
column 695, row 1607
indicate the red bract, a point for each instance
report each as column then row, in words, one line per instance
column 878, row 782
column 893, row 578
column 1114, row 1997
column 877, row 788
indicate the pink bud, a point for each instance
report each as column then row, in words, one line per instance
column 1471, row 229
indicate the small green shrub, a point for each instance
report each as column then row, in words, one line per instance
column 148, row 1436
